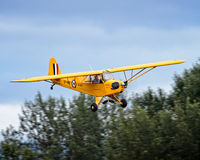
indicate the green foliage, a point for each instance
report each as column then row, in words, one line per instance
column 151, row 101
column 12, row 146
column 45, row 124
column 86, row 131
column 154, row 126
column 187, row 86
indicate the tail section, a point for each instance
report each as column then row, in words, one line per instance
column 53, row 67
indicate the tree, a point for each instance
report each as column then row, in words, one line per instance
column 45, row 124
column 187, row 86
column 151, row 101
column 51, row 130
column 13, row 147
column 86, row 132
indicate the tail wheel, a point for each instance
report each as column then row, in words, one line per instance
column 124, row 103
column 94, row 107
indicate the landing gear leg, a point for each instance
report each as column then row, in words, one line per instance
column 123, row 102
column 94, row 106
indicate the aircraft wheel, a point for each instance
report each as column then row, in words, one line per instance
column 94, row 107
column 124, row 103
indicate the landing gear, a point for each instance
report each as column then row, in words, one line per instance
column 112, row 99
column 94, row 107
column 106, row 101
column 124, row 103
column 52, row 86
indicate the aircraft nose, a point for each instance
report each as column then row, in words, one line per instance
column 115, row 85
column 122, row 84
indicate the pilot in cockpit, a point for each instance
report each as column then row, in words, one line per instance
column 96, row 79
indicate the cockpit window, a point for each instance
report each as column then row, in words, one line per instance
column 95, row 79
column 107, row 75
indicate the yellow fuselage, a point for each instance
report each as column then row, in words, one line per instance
column 82, row 84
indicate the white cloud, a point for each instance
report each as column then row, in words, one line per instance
column 65, row 35
column 132, row 33
column 61, row 29
column 90, row 39
column 9, row 115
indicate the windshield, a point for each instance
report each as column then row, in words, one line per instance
column 107, row 75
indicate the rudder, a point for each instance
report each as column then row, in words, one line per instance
column 53, row 67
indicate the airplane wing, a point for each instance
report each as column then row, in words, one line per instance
column 149, row 65
column 53, row 77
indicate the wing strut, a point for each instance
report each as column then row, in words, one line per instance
column 125, row 76
column 137, row 75
column 132, row 76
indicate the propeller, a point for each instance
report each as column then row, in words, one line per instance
column 126, row 81
column 126, row 84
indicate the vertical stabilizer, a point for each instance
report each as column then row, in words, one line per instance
column 53, row 67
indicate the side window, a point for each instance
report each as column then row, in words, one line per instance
column 107, row 75
column 96, row 79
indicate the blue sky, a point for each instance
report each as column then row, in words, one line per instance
column 102, row 34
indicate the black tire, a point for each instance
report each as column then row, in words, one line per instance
column 124, row 103
column 94, row 107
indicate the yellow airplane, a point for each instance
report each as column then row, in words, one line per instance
column 100, row 84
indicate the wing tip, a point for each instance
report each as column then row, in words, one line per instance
column 180, row 61
column 16, row 81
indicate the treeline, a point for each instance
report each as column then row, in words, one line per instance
column 155, row 126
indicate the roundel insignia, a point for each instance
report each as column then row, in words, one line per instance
column 74, row 84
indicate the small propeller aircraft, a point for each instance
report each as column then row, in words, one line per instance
column 100, row 84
